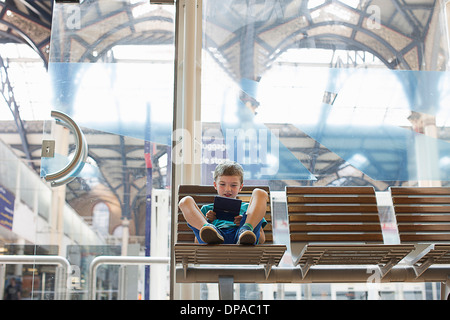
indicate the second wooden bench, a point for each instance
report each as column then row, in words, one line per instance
column 338, row 226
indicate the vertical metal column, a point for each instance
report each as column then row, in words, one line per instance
column 187, row 135
column 2, row 280
column 226, row 285
column 148, row 202
column 445, row 289
column 191, row 147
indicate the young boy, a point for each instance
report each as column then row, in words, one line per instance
column 247, row 227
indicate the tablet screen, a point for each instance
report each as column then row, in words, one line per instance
column 226, row 208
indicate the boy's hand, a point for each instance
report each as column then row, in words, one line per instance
column 237, row 220
column 210, row 216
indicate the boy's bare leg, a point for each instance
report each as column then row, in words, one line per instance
column 192, row 213
column 196, row 219
column 257, row 207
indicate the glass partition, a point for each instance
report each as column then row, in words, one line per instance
column 111, row 71
column 111, row 65
column 340, row 93
column 352, row 92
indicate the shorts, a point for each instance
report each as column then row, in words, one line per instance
column 230, row 235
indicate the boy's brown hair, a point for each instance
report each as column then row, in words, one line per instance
column 229, row 168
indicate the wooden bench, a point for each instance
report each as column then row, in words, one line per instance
column 338, row 226
column 423, row 218
column 189, row 253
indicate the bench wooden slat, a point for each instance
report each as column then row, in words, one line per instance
column 422, row 213
column 338, row 225
column 428, row 227
column 398, row 200
column 331, row 209
column 336, row 238
column 419, row 208
column 422, row 191
column 421, row 238
column 300, row 228
column 186, row 237
column 228, row 254
column 325, row 217
column 293, row 218
column 351, row 255
column 423, row 217
column 330, row 190
column 344, row 199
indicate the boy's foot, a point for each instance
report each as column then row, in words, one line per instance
column 246, row 236
column 210, row 235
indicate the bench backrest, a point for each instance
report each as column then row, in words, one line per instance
column 205, row 195
column 422, row 213
column 333, row 215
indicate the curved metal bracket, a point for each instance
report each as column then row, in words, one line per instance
column 69, row 172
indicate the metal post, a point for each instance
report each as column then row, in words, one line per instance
column 226, row 284
column 148, row 200
column 2, row 280
column 60, row 283
column 122, row 283
column 117, row 260
column 445, row 289
column 186, row 156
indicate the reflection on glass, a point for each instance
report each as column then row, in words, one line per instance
column 111, row 70
column 357, row 92
column 357, row 82
column 343, row 92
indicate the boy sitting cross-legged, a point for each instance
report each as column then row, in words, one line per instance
column 247, row 227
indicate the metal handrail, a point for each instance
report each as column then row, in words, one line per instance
column 118, row 260
column 68, row 173
column 35, row 259
column 40, row 259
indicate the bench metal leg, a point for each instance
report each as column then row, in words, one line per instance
column 226, row 284
column 388, row 266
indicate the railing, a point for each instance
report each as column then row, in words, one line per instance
column 402, row 273
column 118, row 260
column 62, row 289
column 62, row 292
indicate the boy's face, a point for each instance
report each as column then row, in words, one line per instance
column 228, row 186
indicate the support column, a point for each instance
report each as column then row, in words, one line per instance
column 125, row 235
column 226, row 285
column 187, row 133
column 445, row 289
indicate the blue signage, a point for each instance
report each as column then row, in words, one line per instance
column 6, row 208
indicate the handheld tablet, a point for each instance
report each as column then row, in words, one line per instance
column 226, row 208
